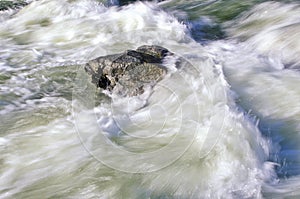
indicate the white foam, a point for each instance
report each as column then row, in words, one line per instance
column 191, row 134
column 271, row 28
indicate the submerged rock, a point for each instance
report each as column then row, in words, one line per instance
column 128, row 73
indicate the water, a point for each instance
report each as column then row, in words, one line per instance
column 223, row 125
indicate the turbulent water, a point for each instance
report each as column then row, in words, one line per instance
column 225, row 124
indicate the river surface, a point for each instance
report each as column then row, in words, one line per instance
column 225, row 124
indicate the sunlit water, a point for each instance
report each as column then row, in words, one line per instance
column 222, row 124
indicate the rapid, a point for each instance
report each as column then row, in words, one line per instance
column 224, row 124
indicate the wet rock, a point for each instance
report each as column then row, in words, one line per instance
column 128, row 73
column 6, row 5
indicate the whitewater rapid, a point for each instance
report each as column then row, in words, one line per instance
column 225, row 124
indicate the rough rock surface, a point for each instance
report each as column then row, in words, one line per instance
column 128, row 73
column 9, row 4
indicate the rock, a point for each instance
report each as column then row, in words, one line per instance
column 6, row 5
column 128, row 73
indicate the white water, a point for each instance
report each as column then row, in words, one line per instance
column 189, row 137
column 272, row 29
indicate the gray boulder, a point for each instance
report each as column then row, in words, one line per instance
column 128, row 73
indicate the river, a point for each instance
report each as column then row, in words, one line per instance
column 225, row 124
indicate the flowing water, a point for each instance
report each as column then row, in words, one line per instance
column 224, row 124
